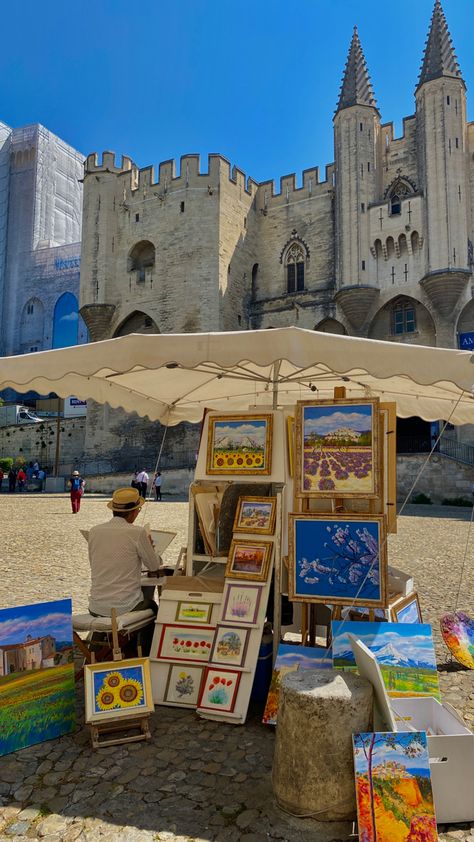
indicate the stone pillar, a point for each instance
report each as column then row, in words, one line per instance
column 313, row 770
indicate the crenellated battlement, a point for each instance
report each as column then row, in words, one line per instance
column 107, row 163
column 289, row 191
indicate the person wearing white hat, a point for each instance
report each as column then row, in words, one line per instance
column 118, row 550
column 76, row 483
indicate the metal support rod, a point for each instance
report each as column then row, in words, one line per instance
column 58, row 434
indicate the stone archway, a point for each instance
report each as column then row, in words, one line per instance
column 403, row 319
column 136, row 322
column 331, row 326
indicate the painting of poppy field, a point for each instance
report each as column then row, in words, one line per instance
column 393, row 788
column 240, row 445
column 336, row 449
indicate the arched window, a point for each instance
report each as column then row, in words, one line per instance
column 65, row 321
column 403, row 317
column 415, row 241
column 395, row 205
column 137, row 322
column 141, row 258
column 390, row 246
column 295, row 264
column 32, row 325
column 396, row 192
column 402, row 244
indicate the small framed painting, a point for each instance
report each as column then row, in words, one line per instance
column 117, row 689
column 249, row 560
column 290, row 435
column 240, row 444
column 219, row 690
column 183, row 685
column 337, row 448
column 407, row 610
column 194, row 612
column 241, row 603
column 256, row 515
column 230, row 646
column 185, row 643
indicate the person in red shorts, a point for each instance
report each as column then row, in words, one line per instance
column 77, row 490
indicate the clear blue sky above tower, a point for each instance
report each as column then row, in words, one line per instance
column 256, row 80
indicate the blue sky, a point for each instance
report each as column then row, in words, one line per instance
column 303, row 657
column 411, row 640
column 42, row 618
column 417, row 764
column 256, row 81
column 326, row 419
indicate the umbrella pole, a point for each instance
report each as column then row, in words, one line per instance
column 275, row 373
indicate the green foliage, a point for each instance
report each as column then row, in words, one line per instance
column 6, row 463
column 421, row 499
column 20, row 461
column 456, row 501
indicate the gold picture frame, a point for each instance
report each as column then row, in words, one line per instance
column 348, row 465
column 249, row 444
column 399, row 611
column 290, row 435
column 249, row 560
column 117, row 689
column 255, row 515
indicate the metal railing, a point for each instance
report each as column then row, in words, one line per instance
column 458, row 450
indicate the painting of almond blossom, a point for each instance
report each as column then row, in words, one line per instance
column 337, row 559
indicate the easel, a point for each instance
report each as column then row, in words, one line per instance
column 119, row 724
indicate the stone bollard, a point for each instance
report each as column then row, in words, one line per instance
column 313, row 769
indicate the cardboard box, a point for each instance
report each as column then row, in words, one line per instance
column 400, row 582
column 450, row 742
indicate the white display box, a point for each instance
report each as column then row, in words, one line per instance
column 400, row 582
column 450, row 742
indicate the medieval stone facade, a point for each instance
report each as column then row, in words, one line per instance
column 379, row 247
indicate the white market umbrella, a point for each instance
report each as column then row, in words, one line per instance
column 174, row 377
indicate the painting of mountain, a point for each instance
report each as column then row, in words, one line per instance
column 393, row 788
column 405, row 654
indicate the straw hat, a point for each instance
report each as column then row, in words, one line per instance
column 125, row 500
column 76, row 474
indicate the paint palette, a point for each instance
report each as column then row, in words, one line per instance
column 458, row 634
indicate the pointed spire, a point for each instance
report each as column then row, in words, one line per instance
column 439, row 58
column 356, row 88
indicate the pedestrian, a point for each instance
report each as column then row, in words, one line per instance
column 35, row 465
column 77, row 484
column 11, row 480
column 21, row 479
column 157, row 484
column 134, row 482
column 142, row 481
column 41, row 479
column 29, row 471
column 1, row 479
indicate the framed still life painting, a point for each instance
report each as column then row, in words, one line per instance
column 249, row 560
column 241, row 603
column 240, row 444
column 117, row 689
column 230, row 646
column 219, row 690
column 183, row 685
column 337, row 448
column 185, row 643
column 255, row 515
column 337, row 559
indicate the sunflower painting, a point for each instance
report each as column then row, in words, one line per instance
column 118, row 689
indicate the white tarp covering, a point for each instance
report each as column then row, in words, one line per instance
column 173, row 377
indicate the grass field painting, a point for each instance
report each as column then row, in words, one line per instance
column 37, row 695
column 393, row 788
column 241, row 444
column 336, row 449
column 291, row 658
column 404, row 652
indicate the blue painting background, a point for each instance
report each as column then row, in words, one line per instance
column 127, row 673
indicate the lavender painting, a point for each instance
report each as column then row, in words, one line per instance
column 338, row 560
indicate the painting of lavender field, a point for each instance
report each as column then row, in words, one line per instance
column 337, row 559
column 337, row 449
column 404, row 651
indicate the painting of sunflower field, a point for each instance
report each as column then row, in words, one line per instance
column 240, row 445
column 117, row 689
column 393, row 788
column 337, row 448
column 37, row 695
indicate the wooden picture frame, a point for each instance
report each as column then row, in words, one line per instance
column 179, row 642
column 188, row 611
column 241, row 603
column 249, row 560
column 219, row 690
column 249, row 445
column 290, row 437
column 183, row 685
column 329, row 465
column 117, row 689
column 255, row 515
column 404, row 609
column 324, row 567
column 230, row 646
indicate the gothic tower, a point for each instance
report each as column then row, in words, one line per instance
column 356, row 133
column 442, row 170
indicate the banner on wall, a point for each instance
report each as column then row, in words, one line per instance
column 466, row 341
column 74, row 407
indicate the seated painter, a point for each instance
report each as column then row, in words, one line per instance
column 118, row 550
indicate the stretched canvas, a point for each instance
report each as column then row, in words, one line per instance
column 337, row 448
column 407, row 610
column 291, row 658
column 230, row 646
column 37, row 695
column 393, row 787
column 458, row 634
column 240, row 444
column 404, row 652
column 117, row 689
column 256, row 515
column 337, row 559
column 249, row 560
column 183, row 685
column 241, row 602
column 219, row 690
column 185, row 643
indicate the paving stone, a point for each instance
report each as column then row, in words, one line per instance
column 50, row 825
column 247, row 818
column 17, row 828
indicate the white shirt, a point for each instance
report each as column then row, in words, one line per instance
column 157, row 481
column 142, row 477
column 117, row 552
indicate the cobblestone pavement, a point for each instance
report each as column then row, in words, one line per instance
column 197, row 781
